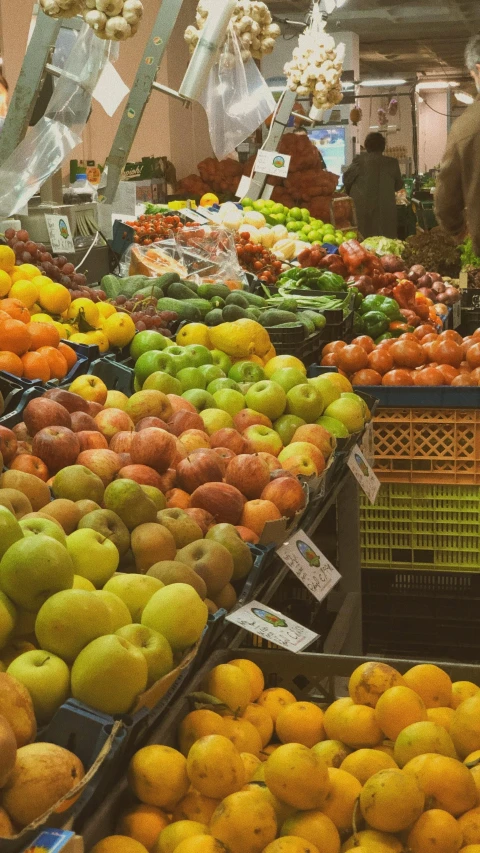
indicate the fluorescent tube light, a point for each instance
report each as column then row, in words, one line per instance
column 383, row 81
column 437, row 84
column 464, row 98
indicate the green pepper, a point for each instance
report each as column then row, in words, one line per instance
column 331, row 282
column 358, row 297
column 373, row 302
column 375, row 323
column 358, row 324
column 391, row 308
column 291, row 275
column 385, row 337
column 397, row 333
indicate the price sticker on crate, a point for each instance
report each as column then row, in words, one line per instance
column 364, row 474
column 273, row 626
column 309, row 565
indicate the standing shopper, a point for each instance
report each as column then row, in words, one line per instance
column 457, row 195
column 372, row 181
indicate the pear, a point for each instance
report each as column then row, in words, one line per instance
column 228, row 536
column 131, row 504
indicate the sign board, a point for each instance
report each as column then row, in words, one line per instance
column 272, row 163
column 308, row 563
column 59, row 233
column 273, row 626
column 364, row 474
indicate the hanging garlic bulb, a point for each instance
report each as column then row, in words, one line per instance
column 252, row 23
column 111, row 20
column 316, row 67
column 62, row 8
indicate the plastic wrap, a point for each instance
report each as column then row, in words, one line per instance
column 236, row 98
column 47, row 144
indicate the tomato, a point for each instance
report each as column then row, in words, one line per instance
column 447, row 351
column 428, row 376
column 381, row 360
column 329, row 360
column 366, row 342
column 473, row 355
column 463, row 379
column 366, row 377
column 468, row 342
column 451, row 335
column 422, row 331
column 387, row 343
column 465, row 367
column 398, row 377
column 428, row 349
column 352, row 358
column 432, row 336
column 333, row 346
column 448, row 372
column 408, row 336
column 408, row 353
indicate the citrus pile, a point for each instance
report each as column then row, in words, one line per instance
column 392, row 767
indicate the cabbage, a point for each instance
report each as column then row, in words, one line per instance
column 383, row 246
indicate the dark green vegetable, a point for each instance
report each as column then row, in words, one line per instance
column 182, row 307
column 274, row 317
column 375, row 323
column 237, row 298
column 178, row 290
column 358, row 324
column 376, row 302
column 209, row 291
column 214, row 318
column 233, row 312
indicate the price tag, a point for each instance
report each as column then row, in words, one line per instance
column 273, row 626
column 364, row 474
column 243, row 187
column 110, row 89
column 309, row 565
column 272, row 163
column 61, row 239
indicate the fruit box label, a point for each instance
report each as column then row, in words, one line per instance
column 61, row 239
column 364, row 474
column 56, row 841
column 309, row 565
column 272, row 163
column 273, row 626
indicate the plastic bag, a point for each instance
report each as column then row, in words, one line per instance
column 236, row 99
column 60, row 130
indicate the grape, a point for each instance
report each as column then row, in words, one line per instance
column 101, row 295
column 120, row 300
column 31, row 247
column 140, row 326
column 68, row 269
column 19, row 246
column 26, row 258
column 79, row 279
column 10, row 233
column 61, row 261
column 150, row 311
column 41, row 247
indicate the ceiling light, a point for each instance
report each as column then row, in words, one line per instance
column 437, row 84
column 464, row 97
column 330, row 6
column 384, row 81
column 341, row 3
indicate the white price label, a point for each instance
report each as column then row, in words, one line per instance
column 272, row 163
column 110, row 89
column 61, row 239
column 243, row 187
column 193, row 215
column 273, row 626
column 309, row 565
column 364, row 474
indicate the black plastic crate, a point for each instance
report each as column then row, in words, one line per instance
column 294, row 341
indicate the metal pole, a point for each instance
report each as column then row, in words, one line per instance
column 414, row 131
column 277, row 129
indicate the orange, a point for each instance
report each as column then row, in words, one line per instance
column 291, row 844
column 297, row 776
column 118, row 844
column 364, row 763
column 11, row 363
column 5, row 283
column 275, row 699
column 282, row 810
column 25, row 291
column 27, row 271
column 56, row 361
column 420, row 738
column 300, row 722
column 244, row 822
column 214, row 767
column 442, row 716
column 143, row 823
column 465, row 726
column 262, row 721
column 371, row 841
column 340, row 801
column 14, row 336
column 391, row 801
column 370, row 680
column 268, row 750
column 469, row 824
column 200, row 844
column 255, row 675
column 16, row 310
column 195, row 806
column 446, row 783
column 431, row 683
column 251, row 763
column 244, row 736
column 198, row 724
column 435, row 831
column 471, row 848
column 354, row 725
column 157, row 775
column 7, row 259
column 333, row 752
column 35, row 366
column 231, row 685
column 43, row 335
column 54, row 298
column 397, row 708
column 69, row 354
column 462, row 690
column 173, row 835
column 472, row 761
column 313, row 826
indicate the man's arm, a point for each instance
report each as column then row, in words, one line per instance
column 449, row 198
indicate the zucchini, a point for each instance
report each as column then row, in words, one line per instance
column 166, row 279
column 210, row 291
column 202, row 305
column 237, row 298
column 273, row 317
column 234, row 312
column 178, row 290
column 254, row 300
column 182, row 307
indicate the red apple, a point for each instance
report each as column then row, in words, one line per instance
column 247, row 535
column 221, row 500
column 111, row 421
column 230, row 438
column 71, row 402
column 91, row 439
column 248, row 417
column 81, row 421
column 141, row 474
column 23, row 447
column 195, row 439
column 149, row 404
column 178, row 403
column 249, row 474
column 94, row 408
column 180, row 453
column 153, row 447
column 41, row 412
column 225, row 454
column 168, row 480
column 203, row 518
column 105, row 463
column 57, row 446
column 279, row 473
column 21, row 432
column 121, row 442
column 302, row 466
column 303, row 448
column 272, row 461
column 287, row 494
column 257, row 513
column 8, row 444
column 183, row 420
column 201, row 466
column 145, row 423
column 318, row 436
column 125, row 459
column 263, row 439
column 30, row 465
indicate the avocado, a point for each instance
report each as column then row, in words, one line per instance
column 233, row 312
column 214, row 318
column 209, row 291
column 182, row 307
column 178, row 290
column 237, row 298
column 273, row 317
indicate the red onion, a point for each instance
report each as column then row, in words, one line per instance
column 438, row 287
column 425, row 281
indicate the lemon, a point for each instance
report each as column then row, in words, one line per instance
column 54, row 298
column 62, row 330
column 42, row 318
column 28, row 271
column 5, row 283
column 119, row 329
column 194, row 333
column 208, row 200
column 100, row 339
column 106, row 309
column 241, row 338
column 79, row 338
column 41, row 280
column 35, row 309
column 7, row 259
column 26, row 291
column 86, row 309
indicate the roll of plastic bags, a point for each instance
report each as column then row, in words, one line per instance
column 60, row 130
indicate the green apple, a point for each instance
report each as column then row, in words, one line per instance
column 327, row 389
column 154, row 647
column 246, row 371
column 210, row 372
column 8, row 618
column 268, row 398
column 33, row 569
column 47, row 679
column 243, row 387
column 94, row 556
column 180, row 358
column 198, row 355
column 262, row 439
column 137, row 385
column 222, row 383
column 109, row 674
column 158, row 499
column 153, row 362
column 348, row 412
column 178, row 613
column 190, row 377
column 119, row 612
column 10, row 530
column 146, row 341
column 134, row 590
column 286, row 426
column 350, row 395
column 215, row 419
column 289, row 377
column 162, row 381
column 109, row 524
column 129, row 501
column 334, row 426
column 229, row 401
column 200, row 399
column 221, row 359
column 69, row 620
column 305, row 402
column 77, row 483
column 35, row 526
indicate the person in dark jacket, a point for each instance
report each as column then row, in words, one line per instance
column 372, row 181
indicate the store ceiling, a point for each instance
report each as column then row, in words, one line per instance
column 426, row 36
